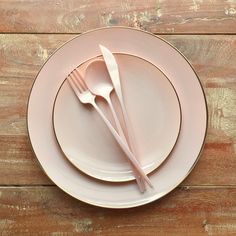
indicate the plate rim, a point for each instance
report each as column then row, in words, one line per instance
column 202, row 91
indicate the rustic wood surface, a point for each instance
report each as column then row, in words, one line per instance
column 158, row 16
column 48, row 210
column 204, row 204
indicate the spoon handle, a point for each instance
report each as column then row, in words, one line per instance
column 123, row 145
column 121, row 133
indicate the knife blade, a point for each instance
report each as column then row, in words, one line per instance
column 113, row 71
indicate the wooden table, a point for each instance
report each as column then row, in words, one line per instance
column 204, row 31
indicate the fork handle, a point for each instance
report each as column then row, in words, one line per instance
column 124, row 147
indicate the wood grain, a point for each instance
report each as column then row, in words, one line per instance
column 213, row 57
column 158, row 16
column 48, row 211
column 18, row 165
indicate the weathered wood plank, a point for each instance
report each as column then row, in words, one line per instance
column 22, row 55
column 18, row 165
column 47, row 210
column 158, row 16
column 213, row 57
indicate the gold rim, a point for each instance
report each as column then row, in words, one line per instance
column 139, row 30
column 180, row 123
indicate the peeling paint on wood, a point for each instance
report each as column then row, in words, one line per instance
column 84, row 225
column 76, row 16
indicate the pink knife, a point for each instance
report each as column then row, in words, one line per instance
column 113, row 71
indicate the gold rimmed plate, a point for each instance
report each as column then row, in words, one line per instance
column 151, row 48
column 154, row 113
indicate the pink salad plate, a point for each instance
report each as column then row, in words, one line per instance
column 174, row 66
column 154, row 113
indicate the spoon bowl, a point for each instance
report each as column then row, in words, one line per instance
column 97, row 79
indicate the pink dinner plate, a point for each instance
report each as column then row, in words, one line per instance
column 151, row 48
column 154, row 114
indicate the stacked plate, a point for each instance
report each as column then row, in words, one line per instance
column 165, row 104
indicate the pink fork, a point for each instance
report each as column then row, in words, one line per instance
column 86, row 97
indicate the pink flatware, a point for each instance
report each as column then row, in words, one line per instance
column 85, row 96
